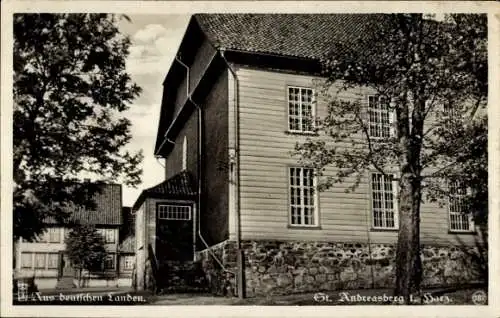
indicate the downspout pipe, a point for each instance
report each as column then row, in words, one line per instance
column 200, row 136
column 241, row 256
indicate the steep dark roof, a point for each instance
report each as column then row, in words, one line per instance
column 108, row 208
column 298, row 35
column 127, row 217
column 177, row 187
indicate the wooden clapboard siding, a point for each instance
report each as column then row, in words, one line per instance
column 264, row 162
column 141, row 249
column 265, row 158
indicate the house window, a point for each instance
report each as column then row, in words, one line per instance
column 40, row 260
column 380, row 117
column 108, row 235
column 53, row 260
column 184, row 153
column 43, row 237
column 301, row 110
column 109, row 262
column 54, row 235
column 384, row 202
column 174, row 212
column 302, row 197
column 459, row 219
column 27, row 260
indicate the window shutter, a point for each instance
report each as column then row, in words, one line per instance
column 395, row 191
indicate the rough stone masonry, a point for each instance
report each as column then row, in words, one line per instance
column 274, row 267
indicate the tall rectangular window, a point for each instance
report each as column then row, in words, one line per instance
column 53, row 260
column 384, row 202
column 302, row 197
column 108, row 235
column 26, row 260
column 460, row 220
column 109, row 262
column 174, row 212
column 301, row 110
column 380, row 117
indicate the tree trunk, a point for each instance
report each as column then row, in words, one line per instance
column 408, row 262
column 79, row 277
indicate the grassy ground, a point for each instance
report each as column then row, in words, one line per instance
column 86, row 296
column 464, row 296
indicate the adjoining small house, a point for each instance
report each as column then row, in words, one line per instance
column 46, row 260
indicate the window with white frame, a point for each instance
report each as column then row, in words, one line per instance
column 54, row 235
column 174, row 212
column 40, row 260
column 30, row 260
column 184, row 153
column 459, row 219
column 108, row 235
column 384, row 202
column 26, row 260
column 128, row 262
column 43, row 237
column 301, row 110
column 448, row 109
column 53, row 261
column 303, row 200
column 380, row 117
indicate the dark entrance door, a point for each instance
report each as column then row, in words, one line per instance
column 174, row 232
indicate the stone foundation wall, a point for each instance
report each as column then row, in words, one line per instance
column 286, row 267
column 220, row 281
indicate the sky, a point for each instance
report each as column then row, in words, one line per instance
column 155, row 39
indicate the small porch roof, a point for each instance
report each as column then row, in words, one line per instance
column 178, row 187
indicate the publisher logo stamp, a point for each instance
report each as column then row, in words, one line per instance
column 479, row 298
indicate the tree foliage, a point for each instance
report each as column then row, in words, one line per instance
column 429, row 79
column 70, row 88
column 85, row 249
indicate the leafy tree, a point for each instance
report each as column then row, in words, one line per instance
column 70, row 88
column 85, row 249
column 430, row 77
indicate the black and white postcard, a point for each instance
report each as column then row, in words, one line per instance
column 246, row 158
